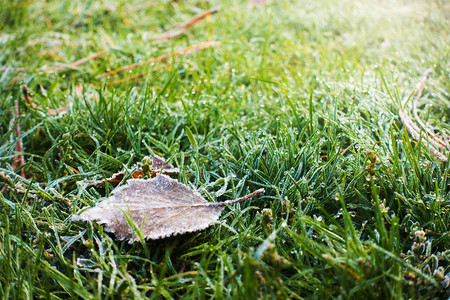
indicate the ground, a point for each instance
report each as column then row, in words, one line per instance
column 310, row 100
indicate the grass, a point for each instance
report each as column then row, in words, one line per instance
column 290, row 86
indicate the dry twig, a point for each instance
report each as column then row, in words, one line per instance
column 160, row 58
column 419, row 88
column 3, row 68
column 432, row 139
column 18, row 149
column 183, row 27
column 74, row 64
column 131, row 78
column 142, row 6
column 257, row 3
column 59, row 68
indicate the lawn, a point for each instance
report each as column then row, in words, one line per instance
column 324, row 104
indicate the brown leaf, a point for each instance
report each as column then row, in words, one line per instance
column 159, row 207
column 115, row 178
column 159, row 165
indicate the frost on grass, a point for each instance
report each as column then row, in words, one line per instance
column 158, row 208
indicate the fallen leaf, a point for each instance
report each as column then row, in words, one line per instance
column 159, row 165
column 159, row 207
